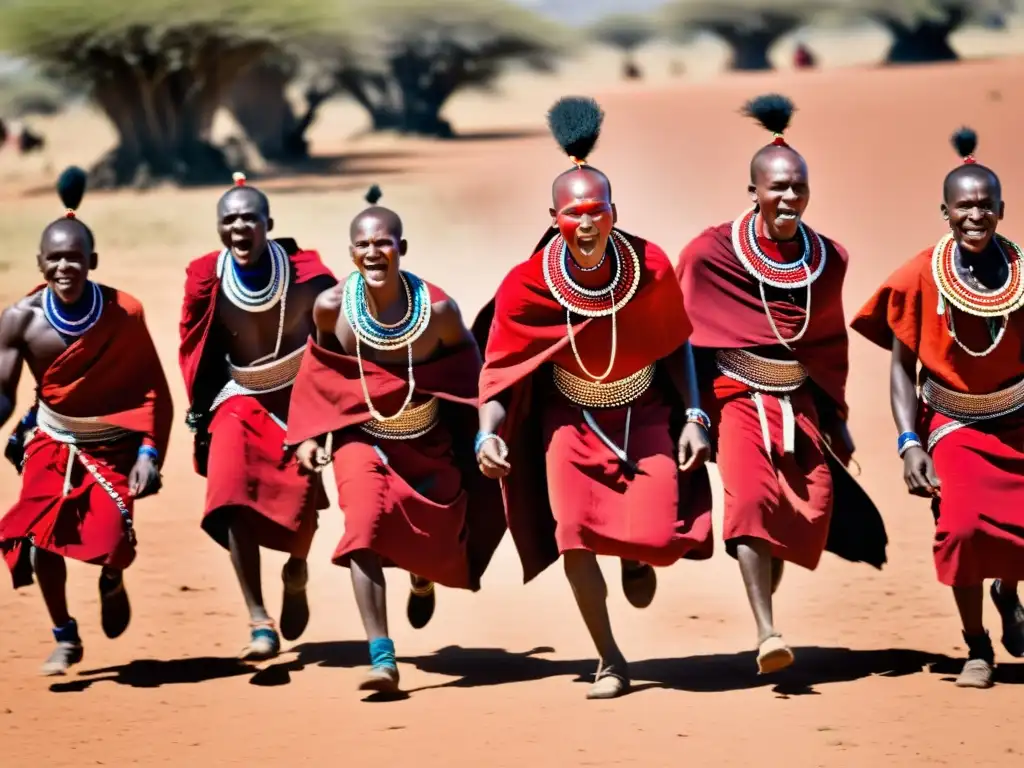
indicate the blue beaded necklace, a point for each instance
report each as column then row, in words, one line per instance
column 369, row 330
column 74, row 319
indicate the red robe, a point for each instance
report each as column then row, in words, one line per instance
column 111, row 371
column 567, row 490
column 802, row 502
column 979, row 531
column 426, row 508
column 241, row 453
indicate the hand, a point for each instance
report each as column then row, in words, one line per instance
column 312, row 456
column 490, row 461
column 694, row 447
column 144, row 479
column 919, row 473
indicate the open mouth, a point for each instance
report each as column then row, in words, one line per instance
column 376, row 270
column 784, row 217
column 241, row 246
column 587, row 244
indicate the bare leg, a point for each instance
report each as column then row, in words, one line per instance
column 1011, row 612
column 755, row 560
column 51, row 572
column 264, row 642
column 977, row 672
column 371, row 596
column 591, row 594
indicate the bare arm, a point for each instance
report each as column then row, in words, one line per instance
column 326, row 311
column 452, row 332
column 12, row 329
column 918, row 470
column 683, row 372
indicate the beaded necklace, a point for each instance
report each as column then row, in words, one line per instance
column 786, row 275
column 387, row 337
column 262, row 299
column 587, row 302
column 954, row 292
column 63, row 317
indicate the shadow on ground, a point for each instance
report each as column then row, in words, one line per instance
column 479, row 667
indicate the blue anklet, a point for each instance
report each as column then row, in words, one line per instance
column 382, row 653
column 68, row 633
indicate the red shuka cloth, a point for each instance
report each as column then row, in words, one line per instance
column 427, row 509
column 566, row 489
column 247, row 467
column 111, row 371
column 979, row 530
column 785, row 499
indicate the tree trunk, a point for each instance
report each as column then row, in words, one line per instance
column 163, row 116
column 750, row 50
column 924, row 42
column 630, row 68
column 259, row 103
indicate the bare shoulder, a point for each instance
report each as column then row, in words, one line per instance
column 15, row 319
column 327, row 307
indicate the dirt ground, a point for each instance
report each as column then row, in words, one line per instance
column 497, row 678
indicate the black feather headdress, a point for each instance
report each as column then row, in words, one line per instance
column 965, row 141
column 373, row 195
column 773, row 111
column 71, row 189
column 575, row 122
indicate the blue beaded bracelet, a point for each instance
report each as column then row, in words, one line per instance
column 483, row 437
column 148, row 450
column 698, row 416
column 906, row 441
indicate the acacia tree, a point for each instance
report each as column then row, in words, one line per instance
column 158, row 69
column 409, row 57
column 749, row 27
column 921, row 28
column 628, row 33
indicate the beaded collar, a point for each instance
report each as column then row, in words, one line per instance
column 255, row 300
column 586, row 301
column 64, row 320
column 794, row 274
column 379, row 335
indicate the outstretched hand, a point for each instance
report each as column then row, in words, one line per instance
column 919, row 473
column 694, row 447
column 491, row 462
column 144, row 479
column 312, row 456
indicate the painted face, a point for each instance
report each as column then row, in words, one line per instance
column 243, row 224
column 973, row 209
column 584, row 214
column 65, row 258
column 376, row 250
column 782, row 192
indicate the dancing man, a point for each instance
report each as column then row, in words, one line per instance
column 247, row 314
column 393, row 382
column 954, row 309
column 773, row 371
column 94, row 441
column 590, row 460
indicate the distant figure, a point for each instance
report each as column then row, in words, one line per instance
column 803, row 58
column 19, row 134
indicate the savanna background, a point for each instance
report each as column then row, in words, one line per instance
column 442, row 103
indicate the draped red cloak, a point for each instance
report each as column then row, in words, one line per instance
column 566, row 489
column 804, row 502
column 979, row 531
column 111, row 371
column 241, row 452
column 423, row 506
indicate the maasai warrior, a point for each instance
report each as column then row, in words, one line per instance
column 247, row 314
column 393, row 381
column 94, row 441
column 586, row 379
column 773, row 370
column 954, row 309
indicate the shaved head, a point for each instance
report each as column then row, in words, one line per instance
column 62, row 232
column 245, row 197
column 974, row 175
column 765, row 157
column 584, row 183
column 390, row 221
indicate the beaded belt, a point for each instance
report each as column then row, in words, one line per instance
column 260, row 379
column 414, row 422
column 73, row 431
column 762, row 374
column 611, row 394
column 966, row 409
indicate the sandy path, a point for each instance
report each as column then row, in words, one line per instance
column 493, row 679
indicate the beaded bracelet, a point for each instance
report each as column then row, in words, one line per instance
column 483, row 437
column 906, row 441
column 148, row 450
column 698, row 416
